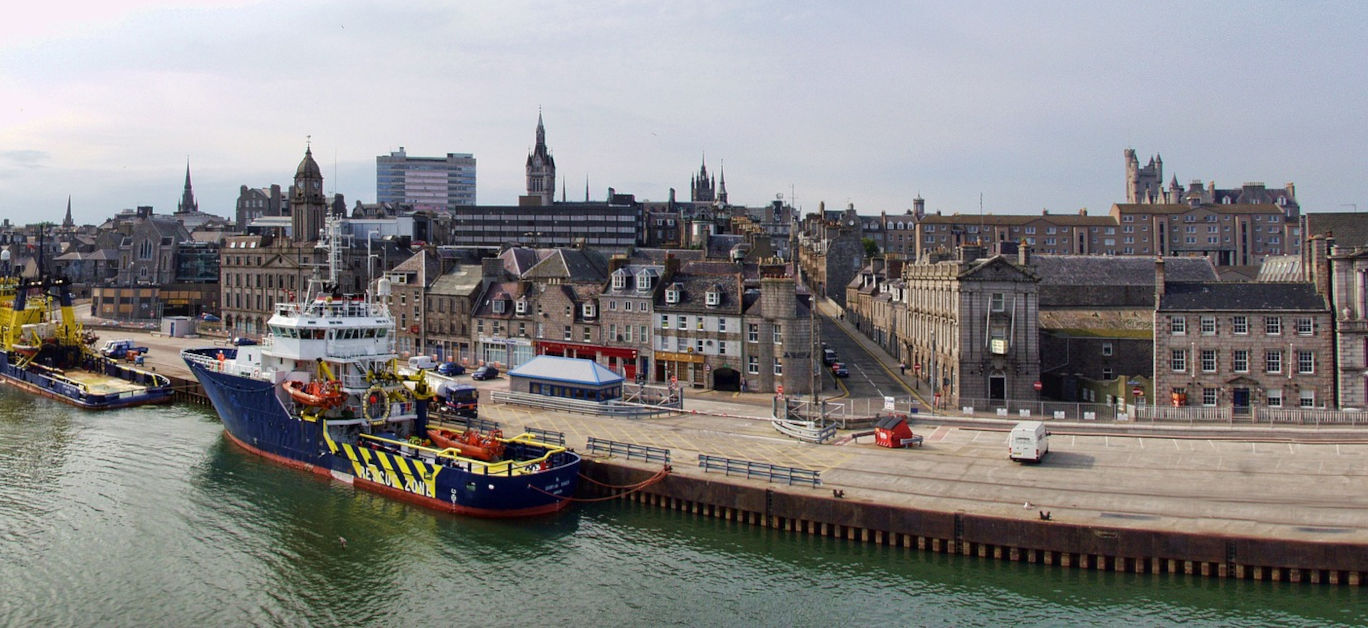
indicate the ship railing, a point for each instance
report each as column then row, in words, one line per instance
column 762, row 470
column 501, row 467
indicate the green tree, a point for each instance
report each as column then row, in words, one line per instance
column 871, row 247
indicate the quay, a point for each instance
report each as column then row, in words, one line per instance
column 1258, row 503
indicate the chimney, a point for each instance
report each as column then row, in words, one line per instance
column 1319, row 271
column 616, row 262
column 1158, row 280
column 1024, row 254
column 671, row 267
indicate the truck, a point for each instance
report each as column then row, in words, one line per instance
column 1029, row 441
column 425, row 362
column 120, row 349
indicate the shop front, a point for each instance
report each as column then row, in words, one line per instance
column 617, row 359
column 683, row 368
column 505, row 352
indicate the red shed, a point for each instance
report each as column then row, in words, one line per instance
column 893, row 431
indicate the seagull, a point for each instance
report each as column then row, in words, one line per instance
column 343, row 541
column 1027, row 505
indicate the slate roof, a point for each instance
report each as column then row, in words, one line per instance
column 1350, row 229
column 1242, row 296
column 570, row 370
column 1117, row 270
column 1183, row 208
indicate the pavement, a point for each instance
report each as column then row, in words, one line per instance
column 1248, row 482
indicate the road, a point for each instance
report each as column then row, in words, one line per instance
column 871, row 373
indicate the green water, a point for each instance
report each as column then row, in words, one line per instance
column 149, row 517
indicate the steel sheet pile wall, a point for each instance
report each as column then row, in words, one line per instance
column 816, row 511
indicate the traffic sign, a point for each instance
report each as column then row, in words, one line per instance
column 1138, row 392
column 779, row 389
column 1037, row 386
column 916, row 367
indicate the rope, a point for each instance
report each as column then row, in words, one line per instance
column 593, row 481
column 660, row 475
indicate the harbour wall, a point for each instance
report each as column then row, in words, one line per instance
column 1027, row 540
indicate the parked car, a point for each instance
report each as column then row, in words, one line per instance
column 485, row 372
column 242, row 341
column 450, row 369
column 209, row 318
column 839, row 370
column 828, row 357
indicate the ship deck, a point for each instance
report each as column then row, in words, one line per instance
column 101, row 384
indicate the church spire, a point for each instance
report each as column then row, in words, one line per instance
column 67, row 222
column 541, row 169
column 187, row 203
column 722, row 183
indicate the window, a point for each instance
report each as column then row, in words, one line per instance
column 778, row 367
column 479, row 326
column 1107, row 349
column 721, row 324
column 998, row 302
column 1177, row 325
column 1240, row 324
column 1272, row 325
column 681, row 322
column 566, row 335
column 1307, row 398
column 752, row 332
column 714, row 297
column 1208, row 360
column 588, row 331
column 612, row 305
column 1239, row 361
column 1306, row 362
column 1304, row 326
column 753, row 365
column 672, row 294
column 1208, row 325
column 619, row 279
column 1209, row 397
column 1272, row 361
column 1274, row 396
column 1178, row 360
column 664, row 321
column 698, row 345
column 497, row 306
column 1108, row 373
column 521, row 306
column 588, row 310
column 698, row 322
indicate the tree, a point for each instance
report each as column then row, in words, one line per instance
column 871, row 248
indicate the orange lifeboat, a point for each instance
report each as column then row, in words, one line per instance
column 316, row 394
column 470, row 443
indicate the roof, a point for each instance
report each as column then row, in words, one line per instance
column 1348, row 228
column 1241, row 296
column 1183, row 208
column 1281, row 268
column 571, row 370
column 1117, row 270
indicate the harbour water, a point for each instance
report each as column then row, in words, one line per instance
column 149, row 516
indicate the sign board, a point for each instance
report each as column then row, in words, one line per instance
column 1037, row 386
column 888, row 403
column 1138, row 392
column 779, row 389
column 674, row 379
column 916, row 367
column 998, row 346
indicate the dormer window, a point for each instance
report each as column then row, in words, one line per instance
column 645, row 280
column 619, row 279
column 588, row 310
column 521, row 306
column 714, row 297
column 672, row 294
column 498, row 306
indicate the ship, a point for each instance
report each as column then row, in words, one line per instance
column 45, row 350
column 323, row 393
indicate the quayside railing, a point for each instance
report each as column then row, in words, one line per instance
column 762, row 470
column 632, row 451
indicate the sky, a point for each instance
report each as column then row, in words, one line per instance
column 1026, row 106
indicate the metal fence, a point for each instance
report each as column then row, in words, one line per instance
column 550, row 437
column 762, row 470
column 470, row 423
column 810, row 431
column 631, row 450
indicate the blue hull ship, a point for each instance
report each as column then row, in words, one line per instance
column 44, row 350
column 323, row 393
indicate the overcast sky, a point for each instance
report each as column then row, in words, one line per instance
column 1028, row 104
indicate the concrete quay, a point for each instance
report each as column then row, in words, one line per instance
column 1248, row 502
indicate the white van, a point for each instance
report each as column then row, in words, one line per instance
column 422, row 362
column 1028, row 442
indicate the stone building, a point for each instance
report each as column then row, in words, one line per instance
column 1242, row 344
column 971, row 331
column 1336, row 260
column 830, row 251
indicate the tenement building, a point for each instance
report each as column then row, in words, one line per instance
column 1242, row 344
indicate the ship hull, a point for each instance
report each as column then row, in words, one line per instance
column 38, row 381
column 255, row 419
